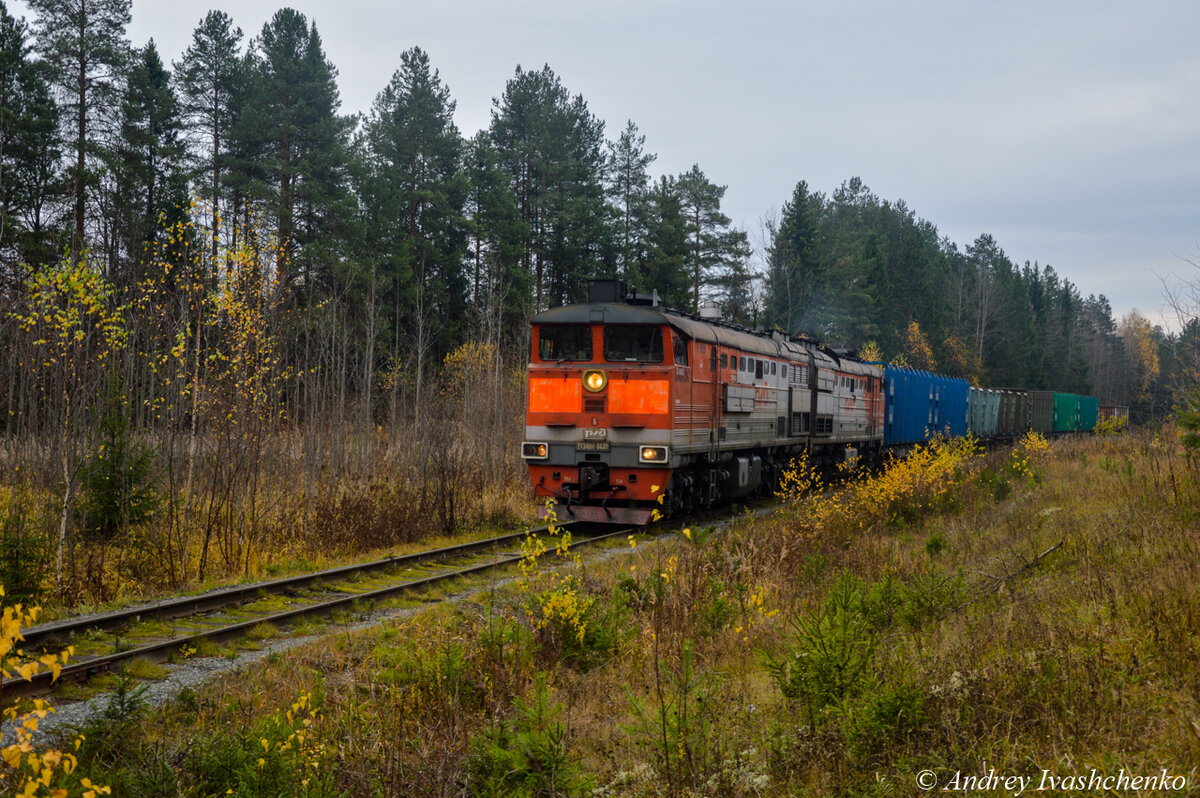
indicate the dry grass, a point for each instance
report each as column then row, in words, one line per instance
column 1042, row 618
column 364, row 495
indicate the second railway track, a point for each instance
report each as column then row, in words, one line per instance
column 159, row 650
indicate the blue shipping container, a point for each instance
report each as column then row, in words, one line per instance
column 918, row 404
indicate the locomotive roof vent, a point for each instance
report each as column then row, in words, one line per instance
column 617, row 291
column 606, row 291
column 709, row 310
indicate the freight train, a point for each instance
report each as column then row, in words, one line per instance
column 635, row 408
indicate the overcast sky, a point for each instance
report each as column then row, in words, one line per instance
column 1067, row 130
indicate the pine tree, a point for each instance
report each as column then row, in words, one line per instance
column 151, row 188
column 714, row 248
column 30, row 150
column 84, row 48
column 207, row 76
column 412, row 137
column 293, row 144
column 551, row 147
column 495, row 235
column 628, row 182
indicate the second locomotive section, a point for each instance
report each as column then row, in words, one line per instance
column 634, row 407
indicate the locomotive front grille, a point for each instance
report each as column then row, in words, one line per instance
column 593, row 405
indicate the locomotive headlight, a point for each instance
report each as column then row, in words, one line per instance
column 653, row 454
column 595, row 381
column 534, row 451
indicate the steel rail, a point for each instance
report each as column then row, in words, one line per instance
column 42, row 681
column 223, row 597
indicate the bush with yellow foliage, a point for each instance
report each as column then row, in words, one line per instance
column 27, row 771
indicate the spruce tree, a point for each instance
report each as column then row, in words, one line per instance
column 662, row 260
column 795, row 266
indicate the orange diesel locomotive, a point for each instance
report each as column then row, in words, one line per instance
column 635, row 407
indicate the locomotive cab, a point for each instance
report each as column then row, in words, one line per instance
column 598, row 423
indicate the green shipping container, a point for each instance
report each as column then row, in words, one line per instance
column 1089, row 410
column 1066, row 412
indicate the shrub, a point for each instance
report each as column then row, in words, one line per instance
column 278, row 756
column 888, row 717
column 829, row 657
column 526, row 755
column 24, row 558
column 24, row 769
column 118, row 490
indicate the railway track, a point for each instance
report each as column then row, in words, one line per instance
column 336, row 593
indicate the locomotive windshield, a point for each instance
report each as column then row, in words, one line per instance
column 637, row 344
column 563, row 342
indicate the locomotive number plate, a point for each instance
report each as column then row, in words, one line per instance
column 591, row 446
column 595, row 434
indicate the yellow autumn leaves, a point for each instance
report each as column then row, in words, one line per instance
column 26, row 771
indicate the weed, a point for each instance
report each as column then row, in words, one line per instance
column 262, row 631
column 278, row 756
column 678, row 723
column 142, row 668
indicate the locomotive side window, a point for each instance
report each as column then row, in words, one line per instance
column 724, row 360
column 758, row 369
column 681, row 358
column 560, row 343
column 636, row 344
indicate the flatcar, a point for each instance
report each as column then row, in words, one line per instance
column 634, row 408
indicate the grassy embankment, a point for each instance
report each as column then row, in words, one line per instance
column 1024, row 611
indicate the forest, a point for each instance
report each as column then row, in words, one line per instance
column 243, row 325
